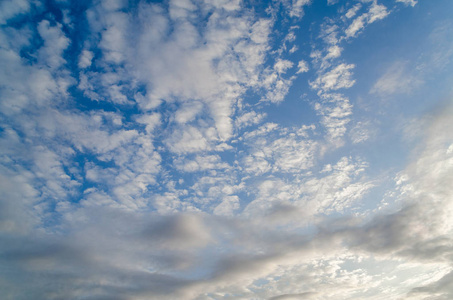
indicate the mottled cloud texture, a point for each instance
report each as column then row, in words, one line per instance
column 220, row 150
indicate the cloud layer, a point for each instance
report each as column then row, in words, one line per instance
column 147, row 152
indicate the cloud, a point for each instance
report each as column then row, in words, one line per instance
column 406, row 77
column 353, row 11
column 189, row 140
column 37, row 90
column 135, row 249
column 12, row 8
column 201, row 163
column 335, row 111
column 282, row 65
column 333, row 52
column 85, row 59
column 55, row 42
column 356, row 26
column 376, row 12
column 336, row 189
column 227, row 207
column 295, row 7
column 441, row 289
column 249, row 118
column 396, row 80
column 302, row 67
column 408, row 2
column 209, row 65
column 361, row 132
column 337, row 78
column 192, row 75
column 307, row 295
column 282, row 152
column 141, row 158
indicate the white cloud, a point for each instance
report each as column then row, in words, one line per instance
column 151, row 121
column 155, row 201
column 11, row 8
column 179, row 70
column 201, row 163
column 408, row 2
column 295, row 7
column 341, row 258
column 353, row 11
column 336, row 112
column 188, row 112
column 282, row 65
column 357, row 25
column 249, row 118
column 329, row 33
column 55, row 42
column 302, row 67
column 18, row 200
column 227, row 207
column 337, row 78
column 339, row 188
column 333, row 52
column 376, row 12
column 85, row 59
column 285, row 151
column 335, row 190
column 188, row 140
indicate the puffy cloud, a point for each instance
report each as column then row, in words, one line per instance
column 85, row 59
column 302, row 67
column 55, row 42
column 295, row 7
column 282, row 152
column 24, row 86
column 282, row 65
column 201, row 163
column 337, row 78
column 189, row 140
column 109, row 245
column 156, row 176
column 249, row 118
column 12, row 8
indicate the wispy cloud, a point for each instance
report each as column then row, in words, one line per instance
column 396, row 80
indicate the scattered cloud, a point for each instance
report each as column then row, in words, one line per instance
column 408, row 2
column 353, row 10
column 302, row 67
column 167, row 151
column 337, row 78
column 376, row 12
column 396, row 80
column 361, row 132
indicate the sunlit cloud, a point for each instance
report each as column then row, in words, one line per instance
column 226, row 150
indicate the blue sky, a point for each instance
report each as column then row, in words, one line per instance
column 226, row 149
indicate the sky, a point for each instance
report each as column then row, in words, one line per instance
column 226, row 149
